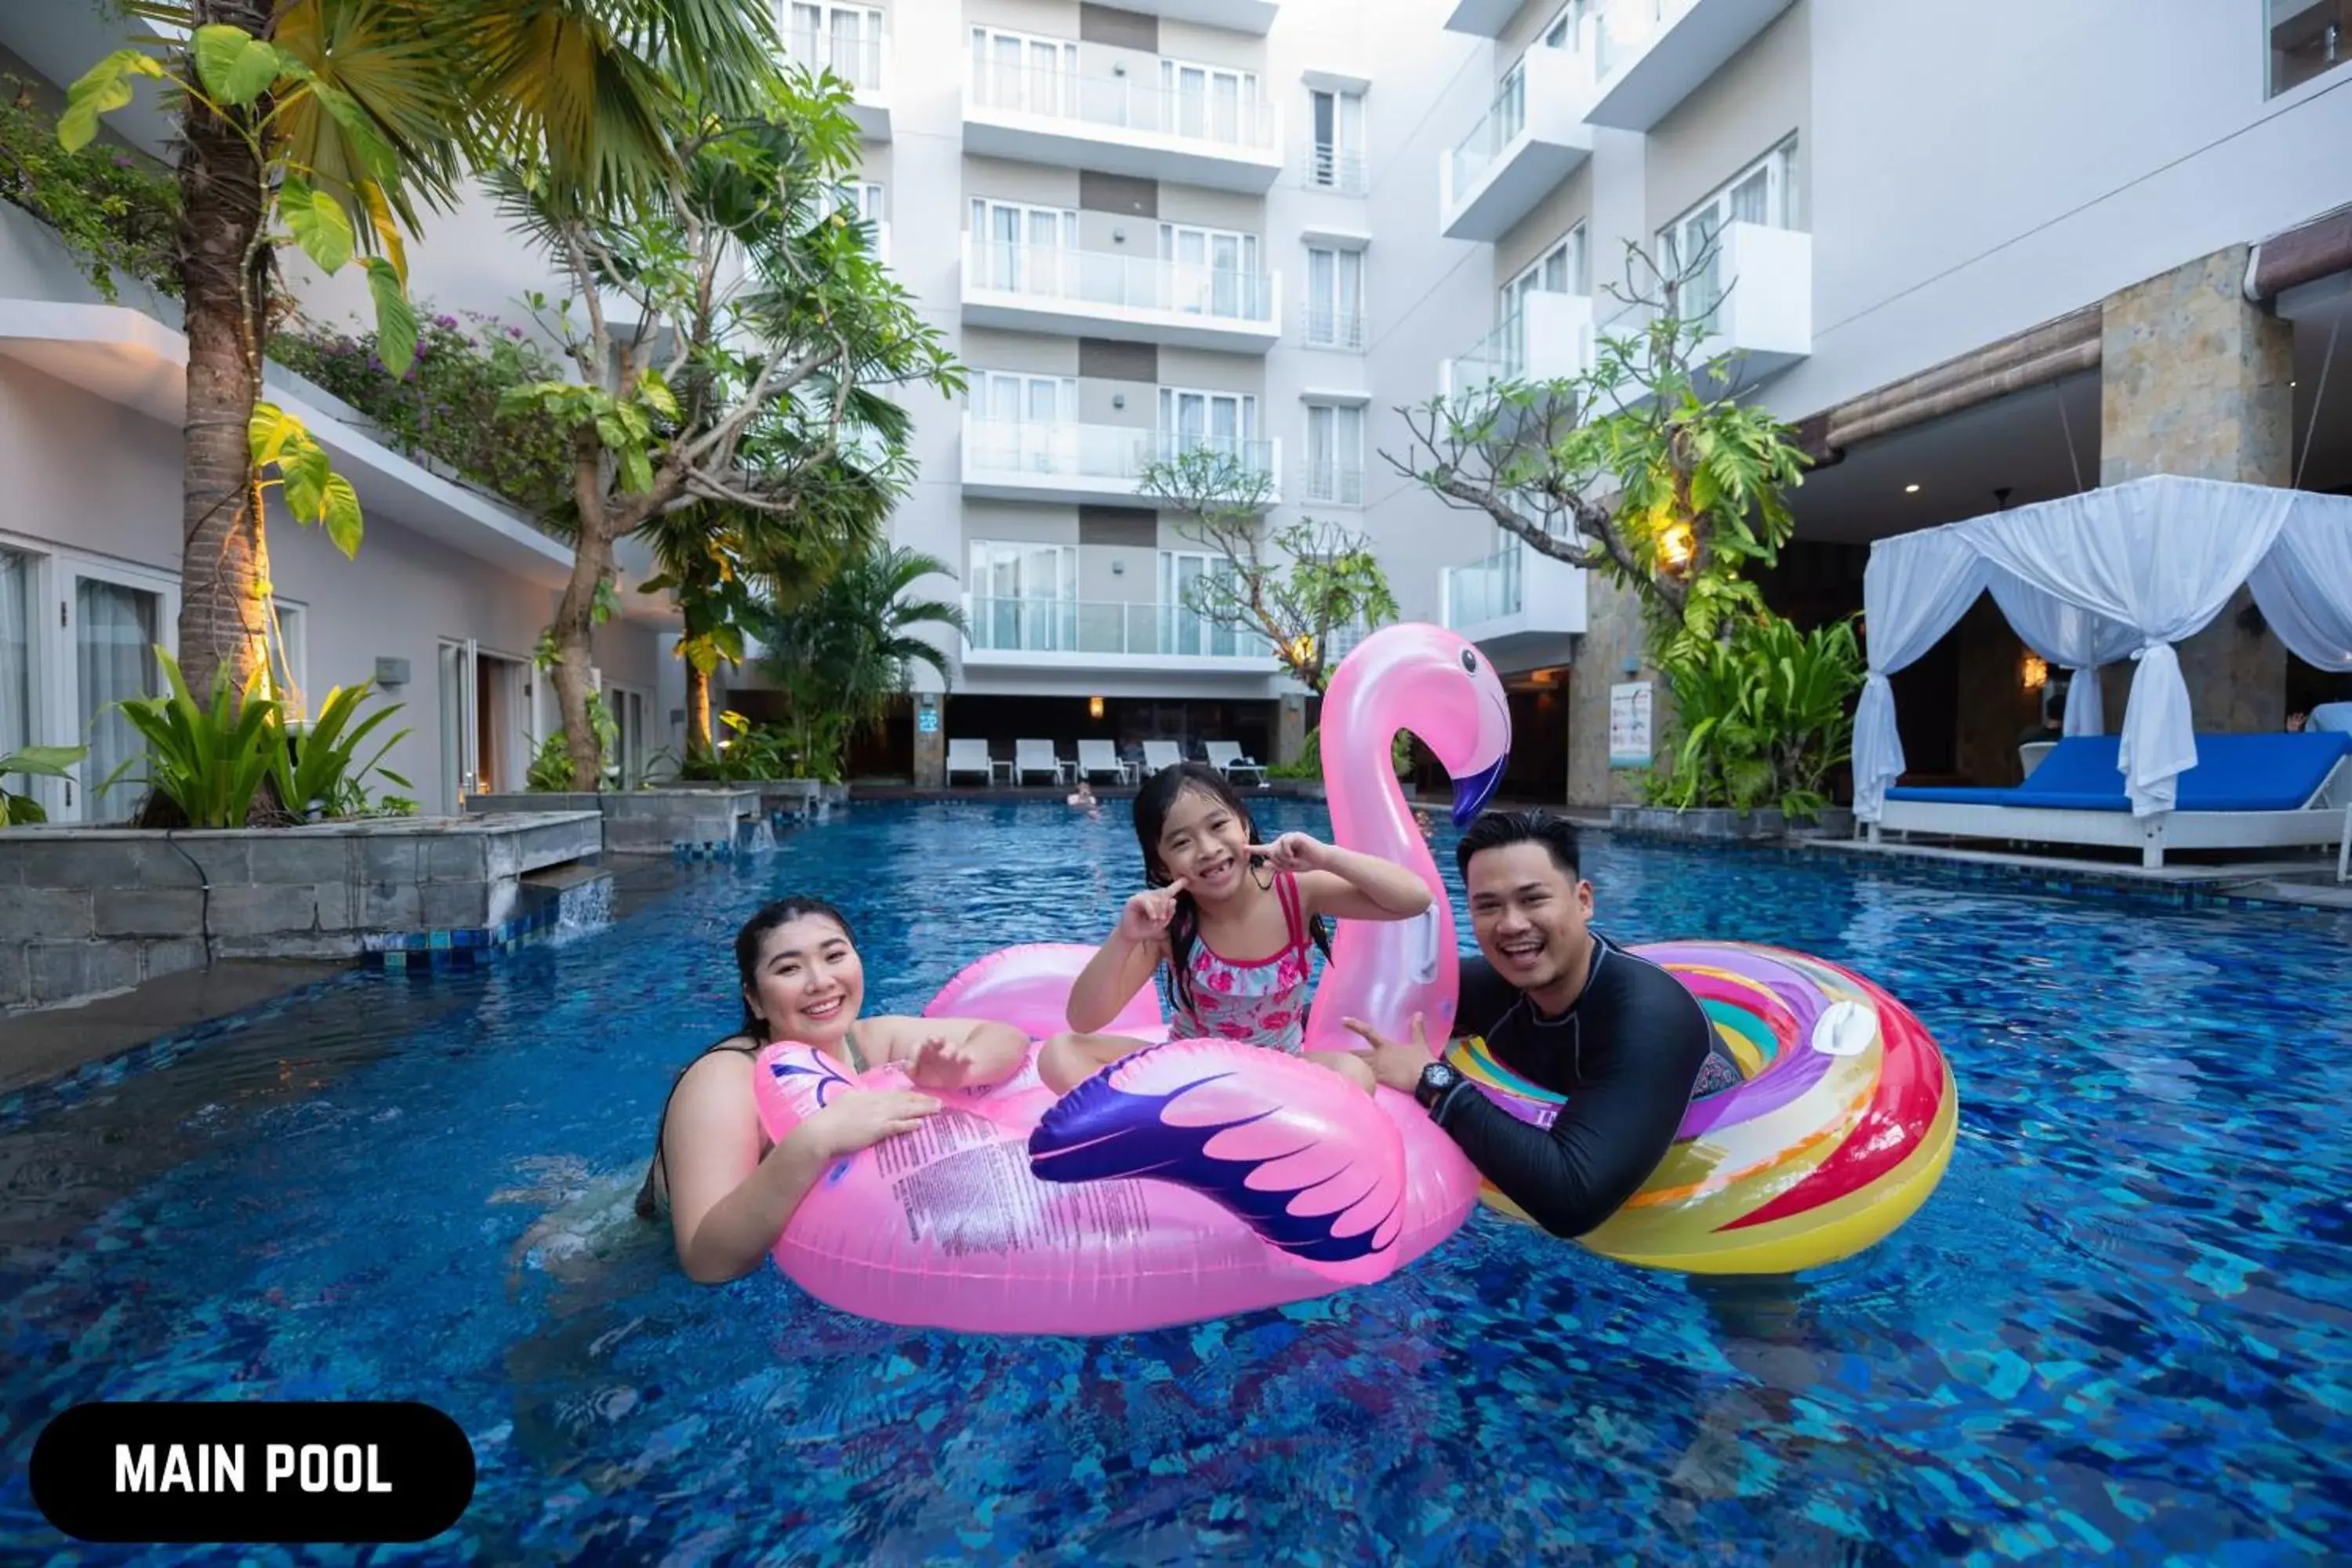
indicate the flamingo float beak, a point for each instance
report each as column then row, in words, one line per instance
column 1472, row 791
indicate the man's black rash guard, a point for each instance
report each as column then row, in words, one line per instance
column 1626, row 1053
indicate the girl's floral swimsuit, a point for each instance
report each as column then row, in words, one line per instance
column 1262, row 1003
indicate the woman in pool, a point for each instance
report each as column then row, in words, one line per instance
column 1231, row 919
column 729, row 1190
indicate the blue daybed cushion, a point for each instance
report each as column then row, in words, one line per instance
column 2233, row 772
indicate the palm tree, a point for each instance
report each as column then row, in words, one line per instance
column 417, row 93
column 844, row 654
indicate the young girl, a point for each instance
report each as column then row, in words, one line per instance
column 1231, row 919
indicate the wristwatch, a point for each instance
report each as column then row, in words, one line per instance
column 1437, row 1081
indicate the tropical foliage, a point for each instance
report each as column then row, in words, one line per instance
column 19, row 807
column 1295, row 585
column 1761, row 717
column 326, row 125
column 212, row 762
column 842, row 657
column 114, row 209
column 1647, row 467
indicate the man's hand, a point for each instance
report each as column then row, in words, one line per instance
column 939, row 1065
column 1397, row 1066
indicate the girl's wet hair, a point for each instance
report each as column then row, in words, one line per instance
column 1154, row 802
column 753, row 937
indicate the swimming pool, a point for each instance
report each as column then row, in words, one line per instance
column 2122, row 1329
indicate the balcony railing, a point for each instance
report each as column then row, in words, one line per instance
column 1123, row 104
column 1103, row 628
column 1505, row 119
column 857, row 61
column 1054, row 450
column 1621, row 30
column 1320, row 328
column 1335, row 168
column 1341, row 484
column 1132, row 282
column 1486, row 590
column 1500, row 355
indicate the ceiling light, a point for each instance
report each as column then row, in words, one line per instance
column 1910, row 490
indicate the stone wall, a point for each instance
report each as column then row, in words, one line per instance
column 1290, row 729
column 2195, row 381
column 90, row 909
column 1613, row 634
column 694, row 823
column 932, row 748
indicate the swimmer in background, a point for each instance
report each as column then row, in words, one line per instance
column 1428, row 828
column 1083, row 797
column 1231, row 922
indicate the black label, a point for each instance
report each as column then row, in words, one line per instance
column 305, row 1471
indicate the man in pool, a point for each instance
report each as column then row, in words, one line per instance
column 1569, row 1011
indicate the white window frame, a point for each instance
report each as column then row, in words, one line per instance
column 1243, row 130
column 55, row 677
column 822, row 54
column 1345, row 485
column 1343, row 163
column 1193, row 287
column 1575, row 257
column 1051, row 92
column 1552, row 36
column 294, row 630
column 1339, row 331
column 1024, row 270
column 1033, row 632
column 39, row 657
column 1779, row 168
column 630, row 759
column 1183, row 632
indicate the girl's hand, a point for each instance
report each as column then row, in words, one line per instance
column 939, row 1065
column 1294, row 852
column 859, row 1119
column 1147, row 914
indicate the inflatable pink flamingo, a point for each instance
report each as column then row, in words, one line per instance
column 1198, row 1178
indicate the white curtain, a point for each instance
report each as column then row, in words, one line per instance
column 114, row 659
column 1914, row 589
column 2161, row 555
column 2067, row 636
column 2304, row 584
column 16, row 656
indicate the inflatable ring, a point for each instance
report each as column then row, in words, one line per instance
column 1193, row 1179
column 1842, row 1125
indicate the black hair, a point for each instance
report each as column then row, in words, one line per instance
column 1154, row 802
column 749, row 941
column 1493, row 829
column 754, row 936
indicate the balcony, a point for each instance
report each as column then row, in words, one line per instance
column 862, row 63
column 1254, row 16
column 1532, row 138
column 1548, row 338
column 1334, row 483
column 1340, row 170
column 1067, row 464
column 1481, row 18
column 1651, row 55
column 1118, row 125
column 1104, row 635
column 1132, row 298
column 1342, row 332
column 1519, row 605
column 1757, row 297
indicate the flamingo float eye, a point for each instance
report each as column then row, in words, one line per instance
column 1469, row 662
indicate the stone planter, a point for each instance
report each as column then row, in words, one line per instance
column 688, row 824
column 1834, row 822
column 87, row 909
column 1711, row 825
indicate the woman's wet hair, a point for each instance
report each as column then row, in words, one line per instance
column 749, row 942
column 753, row 938
column 1154, row 802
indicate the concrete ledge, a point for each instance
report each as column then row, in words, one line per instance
column 695, row 821
column 1711, row 825
column 88, row 910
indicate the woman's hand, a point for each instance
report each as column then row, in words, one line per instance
column 859, row 1119
column 1294, row 852
column 937, row 1064
column 1146, row 917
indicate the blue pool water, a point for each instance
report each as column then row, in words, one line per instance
column 2121, row 1330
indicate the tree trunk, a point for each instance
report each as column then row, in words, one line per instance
column 221, row 618
column 575, row 615
column 697, row 713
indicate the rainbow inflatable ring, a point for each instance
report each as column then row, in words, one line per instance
column 1841, row 1126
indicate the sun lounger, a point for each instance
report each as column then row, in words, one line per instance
column 1102, row 757
column 1037, row 757
column 1226, row 756
column 970, row 757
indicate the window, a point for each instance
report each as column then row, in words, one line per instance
column 291, row 660
column 1023, row 595
column 624, row 758
column 1562, row 269
column 844, row 39
column 1224, row 422
column 1182, row 629
column 1216, row 272
column 1211, row 104
column 115, row 631
column 16, row 710
column 1030, row 75
column 1334, row 454
column 1023, row 249
column 2307, row 39
column 1335, row 298
column 1336, row 162
column 1024, row 423
column 1691, row 247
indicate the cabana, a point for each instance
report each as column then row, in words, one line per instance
column 2120, row 572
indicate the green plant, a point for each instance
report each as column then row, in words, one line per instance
column 42, row 762
column 319, row 764
column 114, row 209
column 209, row 760
column 1761, row 717
column 550, row 768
